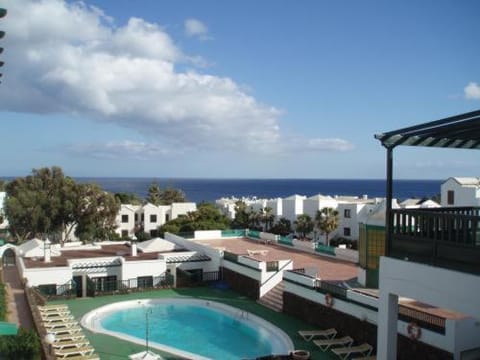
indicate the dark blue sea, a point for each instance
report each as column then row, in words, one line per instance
column 198, row 190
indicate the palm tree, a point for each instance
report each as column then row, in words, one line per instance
column 304, row 224
column 326, row 220
column 253, row 219
column 267, row 217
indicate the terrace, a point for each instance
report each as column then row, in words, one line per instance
column 443, row 237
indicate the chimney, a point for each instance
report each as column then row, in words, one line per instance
column 134, row 245
column 47, row 251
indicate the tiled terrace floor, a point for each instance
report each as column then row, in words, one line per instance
column 328, row 268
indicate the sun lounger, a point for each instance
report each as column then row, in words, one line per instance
column 48, row 308
column 69, row 337
column 325, row 344
column 70, row 344
column 60, row 324
column 308, row 335
column 257, row 252
column 345, row 352
column 65, row 330
column 85, row 357
column 80, row 351
column 53, row 313
column 53, row 319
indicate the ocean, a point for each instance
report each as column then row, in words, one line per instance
column 198, row 190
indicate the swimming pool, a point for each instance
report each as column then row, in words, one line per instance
column 191, row 328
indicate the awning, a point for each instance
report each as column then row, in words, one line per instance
column 459, row 131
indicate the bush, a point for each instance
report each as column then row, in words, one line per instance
column 3, row 302
column 23, row 346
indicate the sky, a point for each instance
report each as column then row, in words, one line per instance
column 234, row 89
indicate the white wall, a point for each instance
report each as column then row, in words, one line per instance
column 292, row 207
column 430, row 285
column 181, row 209
column 465, row 195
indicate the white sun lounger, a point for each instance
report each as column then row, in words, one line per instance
column 308, row 335
column 53, row 313
column 325, row 344
column 69, row 337
column 47, row 308
column 67, row 353
column 53, row 319
column 60, row 324
column 84, row 357
column 257, row 252
column 345, row 352
column 65, row 330
column 70, row 344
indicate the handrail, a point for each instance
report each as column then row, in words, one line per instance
column 276, row 273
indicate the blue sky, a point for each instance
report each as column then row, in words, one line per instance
column 250, row 89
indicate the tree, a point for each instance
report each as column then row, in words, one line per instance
column 254, row 220
column 304, row 225
column 40, row 204
column 326, row 220
column 171, row 195
column 153, row 196
column 282, row 227
column 3, row 183
column 241, row 220
column 23, row 346
column 167, row 196
column 95, row 213
column 207, row 217
column 266, row 217
column 128, row 198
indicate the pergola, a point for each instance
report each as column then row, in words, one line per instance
column 457, row 132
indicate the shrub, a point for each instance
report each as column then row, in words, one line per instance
column 23, row 346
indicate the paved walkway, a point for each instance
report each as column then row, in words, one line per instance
column 18, row 309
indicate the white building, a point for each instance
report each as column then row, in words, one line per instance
column 460, row 191
column 292, row 206
column 149, row 217
column 315, row 203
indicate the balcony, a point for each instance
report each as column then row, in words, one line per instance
column 443, row 237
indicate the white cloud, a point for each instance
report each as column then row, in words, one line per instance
column 70, row 58
column 196, row 28
column 122, row 150
column 472, row 91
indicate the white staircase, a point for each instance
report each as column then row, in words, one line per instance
column 274, row 298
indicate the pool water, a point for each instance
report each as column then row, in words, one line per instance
column 197, row 329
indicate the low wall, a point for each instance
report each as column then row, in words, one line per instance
column 242, row 284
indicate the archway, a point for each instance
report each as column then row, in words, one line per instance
column 8, row 257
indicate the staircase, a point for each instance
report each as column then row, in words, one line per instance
column 274, row 298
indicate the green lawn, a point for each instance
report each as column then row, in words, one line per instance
column 111, row 348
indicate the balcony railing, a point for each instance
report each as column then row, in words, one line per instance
column 444, row 237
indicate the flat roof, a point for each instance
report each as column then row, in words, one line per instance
column 120, row 250
column 328, row 268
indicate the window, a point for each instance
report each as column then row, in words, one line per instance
column 143, row 217
column 145, row 281
column 346, row 213
column 450, row 197
column 124, row 234
column 346, row 231
column 167, row 218
column 153, row 218
column 136, row 217
column 124, row 218
column 107, row 283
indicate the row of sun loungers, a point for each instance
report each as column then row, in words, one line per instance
column 70, row 342
column 341, row 346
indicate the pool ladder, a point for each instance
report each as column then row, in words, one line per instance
column 242, row 314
